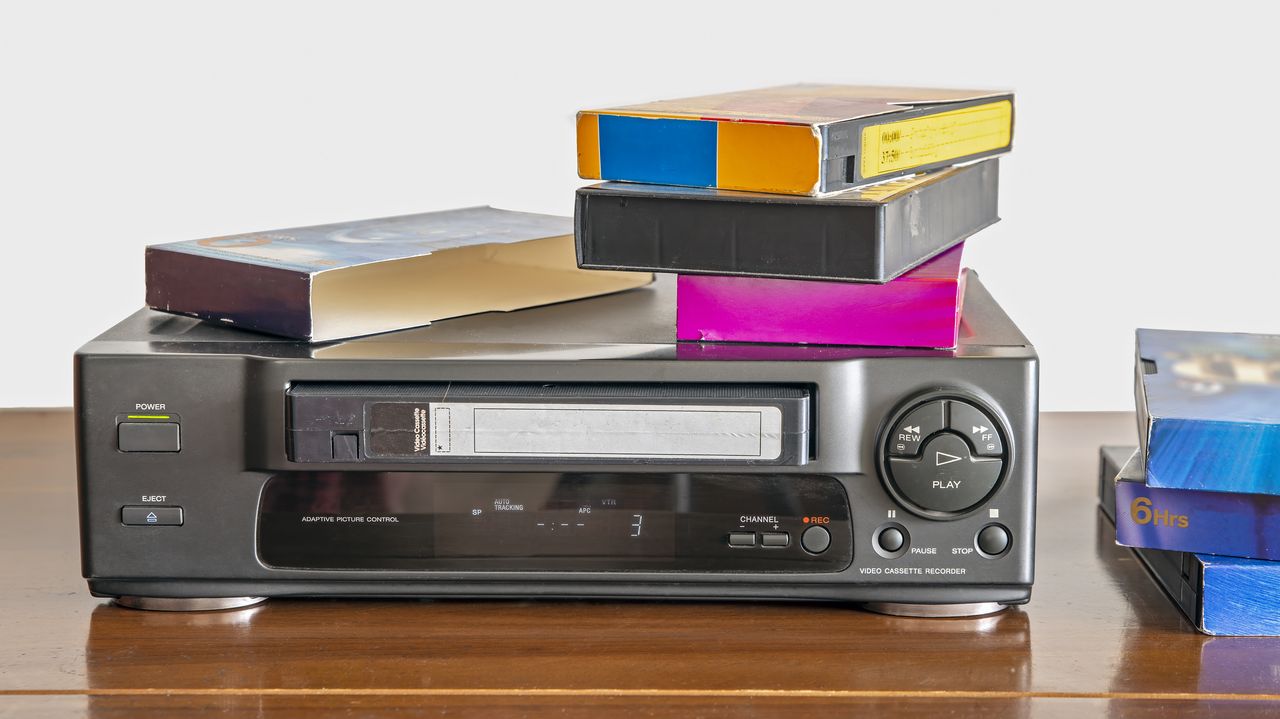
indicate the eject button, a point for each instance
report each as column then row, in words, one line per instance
column 151, row 516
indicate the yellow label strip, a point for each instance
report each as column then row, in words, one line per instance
column 902, row 145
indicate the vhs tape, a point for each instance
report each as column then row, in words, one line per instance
column 922, row 308
column 1225, row 596
column 642, row 423
column 1209, row 410
column 872, row 234
column 794, row 139
column 348, row 279
column 1189, row 520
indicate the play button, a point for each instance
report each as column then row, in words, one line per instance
column 955, row 481
column 941, row 458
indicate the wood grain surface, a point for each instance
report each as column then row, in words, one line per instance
column 1098, row 638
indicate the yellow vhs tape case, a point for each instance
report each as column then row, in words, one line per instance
column 794, row 139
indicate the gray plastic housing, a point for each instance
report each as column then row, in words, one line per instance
column 855, row 236
column 230, row 389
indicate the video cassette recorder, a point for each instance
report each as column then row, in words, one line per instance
column 575, row 450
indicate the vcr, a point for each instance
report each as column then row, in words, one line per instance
column 575, row 450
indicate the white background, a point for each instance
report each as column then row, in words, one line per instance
column 1140, row 193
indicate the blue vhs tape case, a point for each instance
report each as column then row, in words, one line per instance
column 1187, row 520
column 1209, row 410
column 1225, row 596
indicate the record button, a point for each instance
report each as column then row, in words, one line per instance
column 912, row 430
column 976, row 427
column 815, row 540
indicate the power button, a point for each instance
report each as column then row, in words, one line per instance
column 149, row 437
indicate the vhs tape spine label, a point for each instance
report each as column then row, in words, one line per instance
column 496, row 429
column 902, row 145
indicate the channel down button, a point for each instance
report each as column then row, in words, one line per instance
column 946, row 477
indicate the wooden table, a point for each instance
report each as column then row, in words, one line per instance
column 1097, row 638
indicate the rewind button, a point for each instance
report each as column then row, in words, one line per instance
column 912, row 430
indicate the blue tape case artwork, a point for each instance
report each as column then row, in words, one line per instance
column 1210, row 406
column 346, row 244
column 658, row 150
column 1239, row 597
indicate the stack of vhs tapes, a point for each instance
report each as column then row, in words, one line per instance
column 816, row 214
column 1200, row 499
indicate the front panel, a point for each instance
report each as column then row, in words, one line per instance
column 282, row 527
column 571, row 522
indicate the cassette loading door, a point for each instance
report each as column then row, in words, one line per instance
column 625, row 423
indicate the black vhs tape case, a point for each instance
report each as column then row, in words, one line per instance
column 574, row 450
